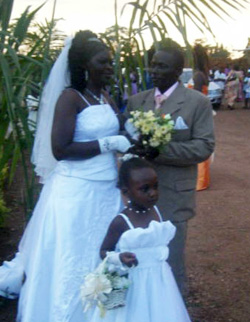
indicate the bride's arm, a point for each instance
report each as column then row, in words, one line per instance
column 68, row 106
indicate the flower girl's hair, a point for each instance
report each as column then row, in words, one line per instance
column 129, row 165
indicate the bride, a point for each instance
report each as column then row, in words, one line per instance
column 79, row 198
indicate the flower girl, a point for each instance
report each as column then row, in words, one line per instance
column 138, row 238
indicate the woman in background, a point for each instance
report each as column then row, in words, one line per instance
column 201, row 80
column 231, row 88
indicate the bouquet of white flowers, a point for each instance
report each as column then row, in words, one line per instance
column 153, row 130
column 104, row 287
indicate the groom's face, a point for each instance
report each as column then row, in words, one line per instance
column 164, row 70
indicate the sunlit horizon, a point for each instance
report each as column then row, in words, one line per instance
column 232, row 33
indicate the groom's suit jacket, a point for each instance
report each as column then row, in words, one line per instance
column 192, row 143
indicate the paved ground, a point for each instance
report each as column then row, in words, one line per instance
column 218, row 247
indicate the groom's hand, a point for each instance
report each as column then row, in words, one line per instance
column 151, row 153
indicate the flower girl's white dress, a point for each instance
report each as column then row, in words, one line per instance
column 153, row 295
column 60, row 244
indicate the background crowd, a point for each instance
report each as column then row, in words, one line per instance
column 233, row 83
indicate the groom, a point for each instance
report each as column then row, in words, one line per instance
column 192, row 142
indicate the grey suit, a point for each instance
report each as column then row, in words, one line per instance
column 177, row 164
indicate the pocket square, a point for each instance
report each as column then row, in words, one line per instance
column 180, row 124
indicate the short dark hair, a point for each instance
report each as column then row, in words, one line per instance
column 170, row 46
column 84, row 46
column 128, row 166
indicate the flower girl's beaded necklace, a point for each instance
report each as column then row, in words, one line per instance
column 100, row 100
column 137, row 211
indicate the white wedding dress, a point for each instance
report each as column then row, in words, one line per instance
column 62, row 240
column 153, row 295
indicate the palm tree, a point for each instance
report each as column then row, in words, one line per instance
column 158, row 16
column 26, row 55
column 5, row 13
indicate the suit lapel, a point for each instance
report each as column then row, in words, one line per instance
column 175, row 101
column 148, row 102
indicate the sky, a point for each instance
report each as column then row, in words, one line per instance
column 97, row 15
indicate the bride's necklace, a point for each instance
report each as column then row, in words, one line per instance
column 137, row 211
column 98, row 99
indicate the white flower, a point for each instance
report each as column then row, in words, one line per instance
column 167, row 117
column 119, row 282
column 146, row 128
column 94, row 289
column 155, row 129
column 150, row 113
column 154, row 143
column 96, row 284
column 135, row 114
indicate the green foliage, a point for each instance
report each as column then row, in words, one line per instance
column 218, row 52
column 157, row 18
column 5, row 13
column 3, row 209
column 26, row 55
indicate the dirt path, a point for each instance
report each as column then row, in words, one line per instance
column 218, row 258
column 219, row 236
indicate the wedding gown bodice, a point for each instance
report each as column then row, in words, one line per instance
column 149, row 244
column 93, row 123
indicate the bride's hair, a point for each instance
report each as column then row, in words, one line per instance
column 84, row 46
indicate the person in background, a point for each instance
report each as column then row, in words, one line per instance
column 201, row 69
column 200, row 79
column 246, row 89
column 134, row 82
column 192, row 142
column 220, row 78
column 240, row 76
column 227, row 69
column 231, row 88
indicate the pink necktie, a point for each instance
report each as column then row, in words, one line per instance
column 159, row 99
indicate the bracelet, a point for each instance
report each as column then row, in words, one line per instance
column 104, row 145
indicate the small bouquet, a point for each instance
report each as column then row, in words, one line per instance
column 104, row 287
column 153, row 130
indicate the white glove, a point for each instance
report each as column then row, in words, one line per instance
column 115, row 263
column 114, row 143
column 114, row 258
column 131, row 129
